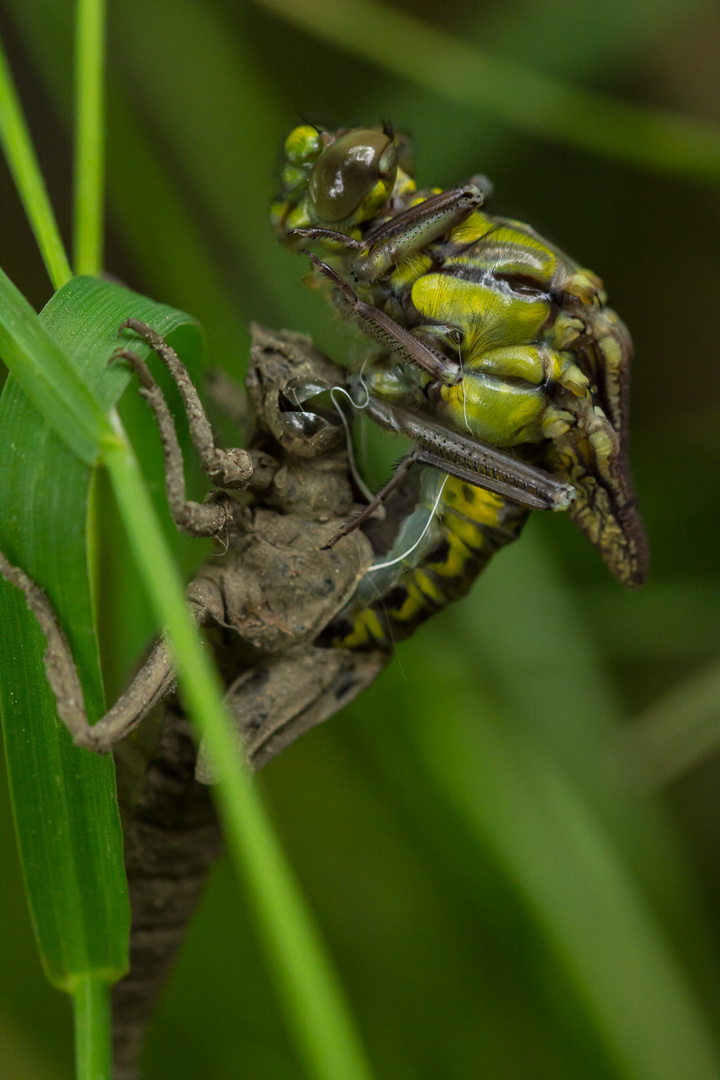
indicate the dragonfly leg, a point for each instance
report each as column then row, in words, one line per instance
column 405, row 234
column 478, row 463
column 408, row 233
column 332, row 235
column 390, row 334
column 368, row 511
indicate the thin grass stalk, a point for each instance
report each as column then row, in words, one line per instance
column 89, row 164
column 93, row 1031
column 23, row 164
column 317, row 1014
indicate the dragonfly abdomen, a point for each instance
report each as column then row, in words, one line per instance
column 407, row 585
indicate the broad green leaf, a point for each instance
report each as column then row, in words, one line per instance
column 71, row 927
column 47, row 376
column 63, row 798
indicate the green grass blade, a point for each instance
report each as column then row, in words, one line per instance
column 89, row 137
column 64, row 805
column 89, row 311
column 64, row 800
column 172, row 247
column 20, row 155
column 678, row 732
column 93, row 1045
column 615, row 957
column 529, row 101
column 212, row 159
column 47, row 376
column 561, row 693
column 315, row 1008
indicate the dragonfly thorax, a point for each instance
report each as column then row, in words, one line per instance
column 492, row 349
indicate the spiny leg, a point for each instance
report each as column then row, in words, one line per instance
column 367, row 512
column 392, row 336
column 481, row 466
column 196, row 519
column 405, row 234
column 225, row 468
column 478, row 463
column 152, row 683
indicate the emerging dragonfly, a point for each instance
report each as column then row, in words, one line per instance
column 495, row 352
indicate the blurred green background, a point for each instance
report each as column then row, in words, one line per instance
column 511, row 841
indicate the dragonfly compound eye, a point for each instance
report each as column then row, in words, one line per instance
column 353, row 177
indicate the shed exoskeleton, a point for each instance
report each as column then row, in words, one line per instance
column 262, row 600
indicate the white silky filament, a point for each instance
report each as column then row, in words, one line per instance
column 362, row 486
column 464, row 390
column 399, row 558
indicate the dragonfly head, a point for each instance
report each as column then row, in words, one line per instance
column 335, row 180
column 353, row 177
